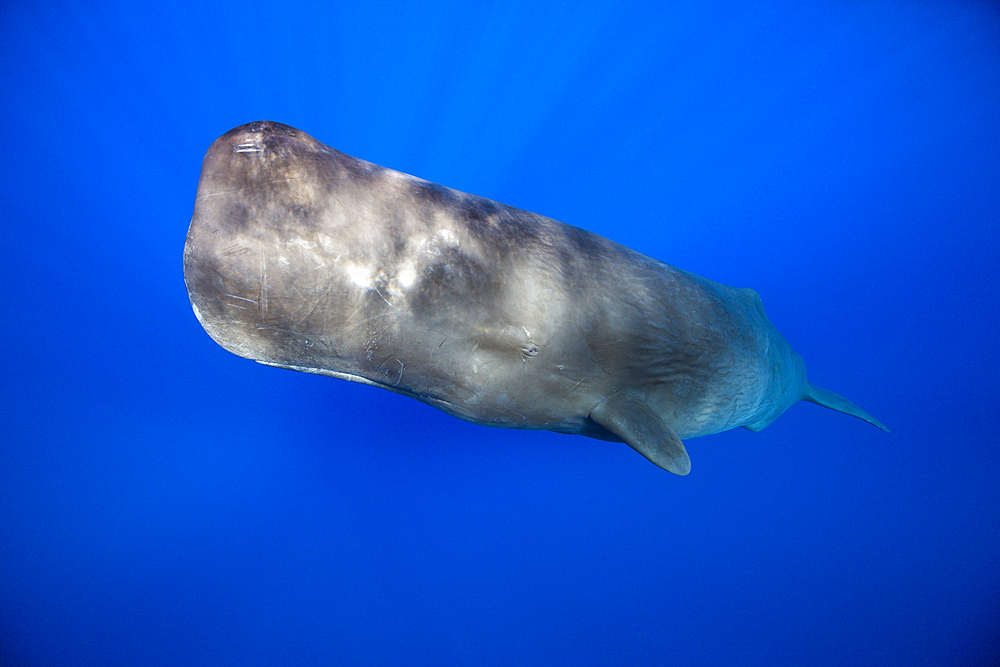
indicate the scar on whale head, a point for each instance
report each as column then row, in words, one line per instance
column 302, row 257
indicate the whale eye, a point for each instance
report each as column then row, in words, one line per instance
column 529, row 350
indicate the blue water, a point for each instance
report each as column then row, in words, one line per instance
column 163, row 502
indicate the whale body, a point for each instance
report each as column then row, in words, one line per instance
column 302, row 257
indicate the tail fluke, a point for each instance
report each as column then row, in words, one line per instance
column 828, row 399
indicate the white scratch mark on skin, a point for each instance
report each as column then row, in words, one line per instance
column 215, row 194
column 495, row 371
column 253, row 187
column 315, row 305
column 351, row 323
column 384, row 299
column 251, row 147
column 241, row 298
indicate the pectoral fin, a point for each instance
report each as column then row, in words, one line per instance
column 631, row 419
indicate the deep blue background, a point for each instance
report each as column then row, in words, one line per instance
column 163, row 502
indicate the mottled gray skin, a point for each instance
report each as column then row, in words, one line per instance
column 302, row 257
